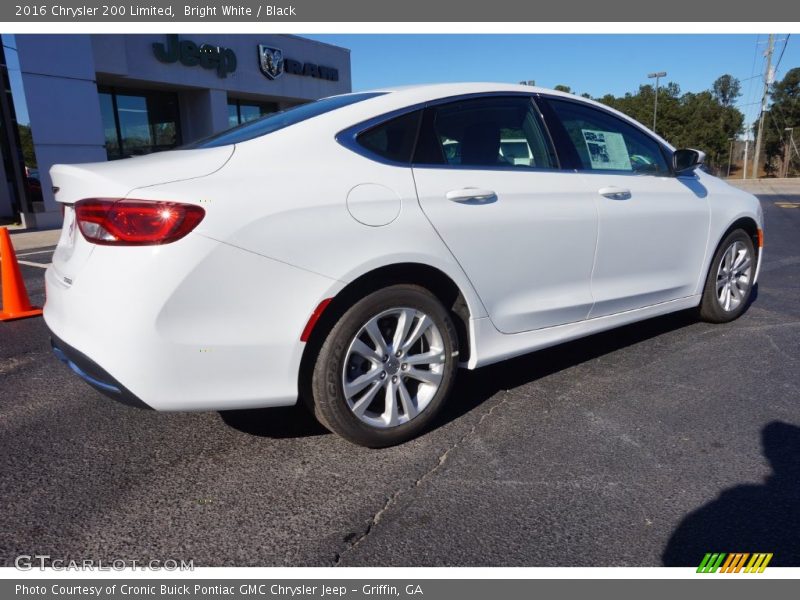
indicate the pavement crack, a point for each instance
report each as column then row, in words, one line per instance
column 392, row 499
column 16, row 363
column 376, row 518
column 446, row 454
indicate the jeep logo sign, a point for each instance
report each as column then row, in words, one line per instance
column 190, row 54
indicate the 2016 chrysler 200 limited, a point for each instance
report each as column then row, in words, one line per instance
column 354, row 251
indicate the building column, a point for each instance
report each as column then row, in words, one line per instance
column 202, row 113
column 64, row 109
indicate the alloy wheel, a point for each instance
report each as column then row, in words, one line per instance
column 393, row 367
column 734, row 276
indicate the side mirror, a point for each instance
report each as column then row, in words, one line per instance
column 686, row 160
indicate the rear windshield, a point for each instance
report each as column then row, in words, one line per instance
column 275, row 121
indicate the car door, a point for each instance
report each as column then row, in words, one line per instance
column 653, row 226
column 523, row 230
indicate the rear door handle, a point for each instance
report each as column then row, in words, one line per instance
column 615, row 193
column 471, row 196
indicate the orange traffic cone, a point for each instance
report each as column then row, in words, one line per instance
column 16, row 304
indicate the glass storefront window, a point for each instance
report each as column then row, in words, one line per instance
column 242, row 111
column 134, row 124
column 109, row 125
column 233, row 114
column 20, row 188
column 138, row 123
column 248, row 112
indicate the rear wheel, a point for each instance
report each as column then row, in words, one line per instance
column 386, row 367
column 730, row 279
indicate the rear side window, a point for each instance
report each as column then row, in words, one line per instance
column 485, row 132
column 279, row 120
column 605, row 143
column 394, row 139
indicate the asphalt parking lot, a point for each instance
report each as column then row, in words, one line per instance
column 645, row 446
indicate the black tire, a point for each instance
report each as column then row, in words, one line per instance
column 711, row 308
column 328, row 397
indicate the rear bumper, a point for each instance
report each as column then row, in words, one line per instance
column 192, row 326
column 93, row 374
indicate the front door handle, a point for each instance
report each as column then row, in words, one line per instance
column 471, row 196
column 615, row 193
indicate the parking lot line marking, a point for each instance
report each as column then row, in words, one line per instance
column 33, row 264
column 787, row 204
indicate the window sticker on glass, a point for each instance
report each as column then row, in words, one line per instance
column 607, row 150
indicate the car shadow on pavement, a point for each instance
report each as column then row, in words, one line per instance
column 749, row 518
column 474, row 387
column 283, row 422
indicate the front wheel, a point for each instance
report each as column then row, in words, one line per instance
column 386, row 367
column 730, row 279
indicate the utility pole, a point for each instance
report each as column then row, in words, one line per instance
column 764, row 96
column 730, row 155
column 657, row 76
column 787, row 155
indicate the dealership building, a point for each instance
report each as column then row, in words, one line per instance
column 88, row 98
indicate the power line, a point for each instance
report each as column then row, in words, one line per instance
column 756, row 76
column 751, row 89
column 774, row 122
column 785, row 43
column 777, row 64
column 780, row 110
column 782, row 137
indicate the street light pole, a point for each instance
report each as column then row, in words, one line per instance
column 657, row 76
column 730, row 155
column 744, row 166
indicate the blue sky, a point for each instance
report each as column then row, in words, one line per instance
column 596, row 64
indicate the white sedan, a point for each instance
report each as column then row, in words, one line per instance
column 354, row 251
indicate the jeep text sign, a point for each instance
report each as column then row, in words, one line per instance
column 190, row 54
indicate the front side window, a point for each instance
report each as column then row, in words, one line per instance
column 604, row 142
column 485, row 132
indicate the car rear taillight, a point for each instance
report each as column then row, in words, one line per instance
column 114, row 222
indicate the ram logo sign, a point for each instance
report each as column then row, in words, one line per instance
column 271, row 61
column 274, row 63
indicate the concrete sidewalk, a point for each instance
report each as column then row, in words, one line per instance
column 767, row 186
column 26, row 240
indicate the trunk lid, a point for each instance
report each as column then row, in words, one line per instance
column 117, row 179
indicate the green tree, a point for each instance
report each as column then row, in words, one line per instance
column 727, row 90
column 704, row 120
column 563, row 88
column 784, row 111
